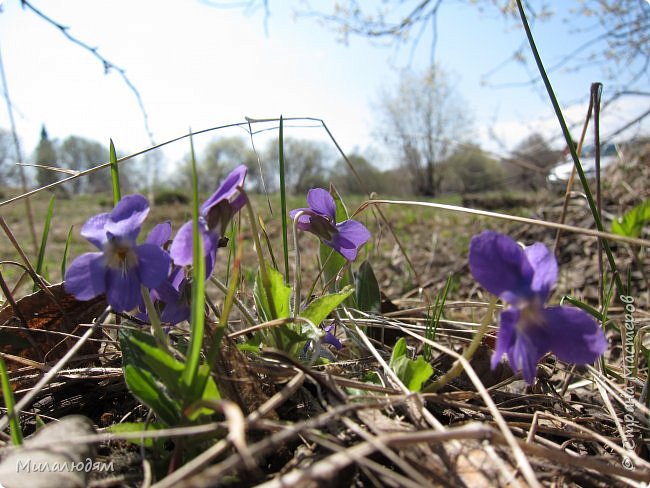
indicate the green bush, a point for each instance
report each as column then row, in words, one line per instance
column 171, row 197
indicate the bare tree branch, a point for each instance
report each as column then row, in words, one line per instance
column 108, row 65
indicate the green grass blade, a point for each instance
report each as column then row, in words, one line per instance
column 115, row 174
column 283, row 202
column 64, row 261
column 8, row 395
column 569, row 141
column 198, row 285
column 46, row 232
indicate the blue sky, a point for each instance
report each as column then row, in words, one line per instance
column 198, row 66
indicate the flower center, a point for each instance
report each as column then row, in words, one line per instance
column 120, row 255
column 219, row 216
column 322, row 227
column 530, row 315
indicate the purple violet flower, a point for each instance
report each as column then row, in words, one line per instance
column 214, row 216
column 528, row 330
column 330, row 338
column 320, row 218
column 122, row 265
column 172, row 293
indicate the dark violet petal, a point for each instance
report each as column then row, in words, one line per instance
column 354, row 232
column 160, row 234
column 303, row 217
column 153, row 264
column 123, row 290
column 304, row 220
column 175, row 309
column 127, row 216
column 331, row 339
column 524, row 355
column 176, row 276
column 175, row 312
column 227, row 189
column 320, row 201
column 94, row 230
column 500, row 266
column 181, row 248
column 238, row 203
column 350, row 237
column 544, row 267
column 505, row 335
column 574, row 335
column 210, row 247
column 85, row 278
column 524, row 345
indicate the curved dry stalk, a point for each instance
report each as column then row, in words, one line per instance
column 514, row 218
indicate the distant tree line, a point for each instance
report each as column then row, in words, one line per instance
column 465, row 169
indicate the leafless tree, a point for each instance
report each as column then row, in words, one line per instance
column 423, row 120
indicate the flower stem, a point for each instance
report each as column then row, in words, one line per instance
column 571, row 146
column 296, row 276
column 156, row 327
column 266, row 284
column 457, row 368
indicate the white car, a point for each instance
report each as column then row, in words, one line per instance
column 609, row 154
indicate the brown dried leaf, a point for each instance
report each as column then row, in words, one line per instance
column 33, row 331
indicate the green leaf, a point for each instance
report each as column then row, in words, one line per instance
column 152, row 393
column 115, row 174
column 320, row 308
column 283, row 200
column 9, row 401
column 197, row 319
column 142, row 350
column 280, row 294
column 152, row 375
column 367, row 289
column 632, row 223
column 64, row 260
column 155, row 377
column 204, row 389
column 412, row 373
column 46, row 233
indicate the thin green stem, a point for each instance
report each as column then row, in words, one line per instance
column 283, row 201
column 457, row 368
column 8, row 394
column 296, row 274
column 198, row 286
column 156, row 327
column 572, row 149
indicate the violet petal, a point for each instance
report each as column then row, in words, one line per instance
column 123, row 289
column 181, row 248
column 94, row 230
column 574, row 335
column 526, row 343
column 227, row 189
column 322, row 202
column 544, row 267
column 505, row 335
column 500, row 266
column 160, row 234
column 127, row 216
column 350, row 237
column 85, row 278
column 153, row 264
